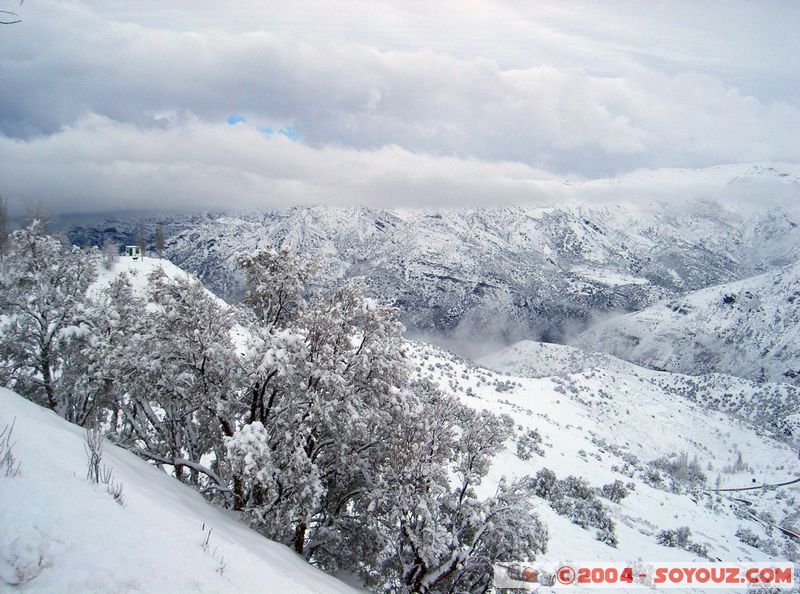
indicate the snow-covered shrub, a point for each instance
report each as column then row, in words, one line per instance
column 615, row 491
column 205, row 545
column 529, row 443
column 681, row 538
column 677, row 537
column 94, row 454
column 748, row 537
column 503, row 386
column 545, row 484
column 683, row 474
column 573, row 498
column 739, row 465
column 97, row 472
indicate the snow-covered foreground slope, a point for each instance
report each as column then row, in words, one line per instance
column 749, row 328
column 63, row 533
column 610, row 424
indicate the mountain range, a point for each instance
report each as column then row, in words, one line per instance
column 474, row 280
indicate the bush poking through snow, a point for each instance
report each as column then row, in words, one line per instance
column 573, row 498
column 615, row 491
column 683, row 474
column 97, row 472
column 9, row 466
column 529, row 443
column 205, row 545
column 94, row 454
column 681, row 538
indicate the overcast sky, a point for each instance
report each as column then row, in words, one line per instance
column 143, row 104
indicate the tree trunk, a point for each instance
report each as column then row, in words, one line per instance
column 299, row 537
column 47, row 378
column 238, row 492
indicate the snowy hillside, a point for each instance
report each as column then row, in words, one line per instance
column 515, row 272
column 749, row 328
column 528, row 358
column 770, row 406
column 137, row 271
column 623, row 424
column 62, row 533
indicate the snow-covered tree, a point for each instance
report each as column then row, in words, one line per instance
column 159, row 241
column 174, row 370
column 43, row 300
column 334, row 387
column 276, row 283
column 436, row 534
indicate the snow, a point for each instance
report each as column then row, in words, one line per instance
column 138, row 270
column 598, row 409
column 518, row 269
column 610, row 278
column 69, row 535
column 749, row 328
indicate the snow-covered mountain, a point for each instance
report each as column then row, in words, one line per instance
column 63, row 533
column 604, row 420
column 511, row 272
column 516, row 272
column 749, row 328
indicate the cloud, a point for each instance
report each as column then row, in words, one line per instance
column 585, row 90
column 101, row 164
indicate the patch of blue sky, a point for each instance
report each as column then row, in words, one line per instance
column 286, row 131
column 289, row 133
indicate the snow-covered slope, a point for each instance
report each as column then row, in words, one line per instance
column 528, row 358
column 749, row 328
column 770, row 406
column 137, row 271
column 62, row 533
column 612, row 424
